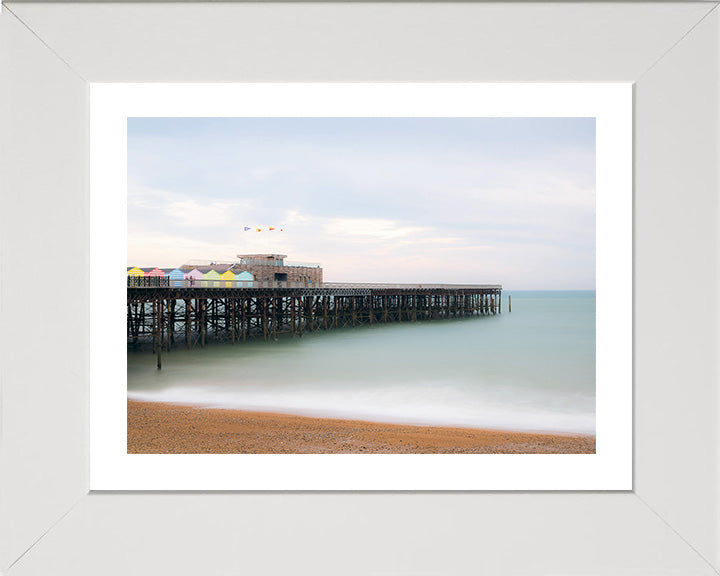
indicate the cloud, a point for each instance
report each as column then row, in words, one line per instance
column 190, row 213
column 177, row 210
column 373, row 229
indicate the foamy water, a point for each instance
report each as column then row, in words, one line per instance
column 532, row 369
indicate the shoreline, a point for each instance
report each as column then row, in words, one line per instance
column 164, row 428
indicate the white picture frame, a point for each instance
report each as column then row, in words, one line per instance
column 668, row 523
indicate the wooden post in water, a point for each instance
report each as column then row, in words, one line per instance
column 509, row 303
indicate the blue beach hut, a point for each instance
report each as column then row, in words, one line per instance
column 175, row 276
column 244, row 279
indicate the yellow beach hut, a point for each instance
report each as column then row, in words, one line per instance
column 133, row 275
column 227, row 279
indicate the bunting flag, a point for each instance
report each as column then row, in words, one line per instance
column 246, row 228
column 268, row 229
column 271, row 228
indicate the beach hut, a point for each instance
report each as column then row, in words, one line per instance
column 227, row 279
column 211, row 279
column 194, row 277
column 134, row 276
column 175, row 276
column 153, row 276
column 153, row 272
column 244, row 279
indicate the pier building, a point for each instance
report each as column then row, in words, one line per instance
column 264, row 268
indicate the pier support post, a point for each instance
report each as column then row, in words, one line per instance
column 203, row 322
column 292, row 316
column 188, row 320
column 170, row 322
column 158, row 307
column 325, row 312
column 232, row 318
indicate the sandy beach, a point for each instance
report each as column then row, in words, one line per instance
column 156, row 428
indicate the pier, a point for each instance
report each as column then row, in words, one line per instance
column 168, row 313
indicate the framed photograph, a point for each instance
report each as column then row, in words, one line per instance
column 524, row 160
column 75, row 492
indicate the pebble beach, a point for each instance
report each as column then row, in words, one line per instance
column 159, row 428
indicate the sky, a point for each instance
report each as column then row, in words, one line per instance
column 506, row 201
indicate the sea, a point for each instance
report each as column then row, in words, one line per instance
column 532, row 369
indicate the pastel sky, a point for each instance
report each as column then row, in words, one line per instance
column 419, row 200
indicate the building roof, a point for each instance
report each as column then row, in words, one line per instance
column 206, row 267
column 263, row 256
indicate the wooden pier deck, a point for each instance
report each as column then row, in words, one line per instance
column 177, row 313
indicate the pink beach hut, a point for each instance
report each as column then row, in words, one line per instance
column 154, row 273
column 194, row 277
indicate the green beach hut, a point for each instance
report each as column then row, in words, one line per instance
column 210, row 278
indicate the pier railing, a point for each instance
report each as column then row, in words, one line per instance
column 165, row 282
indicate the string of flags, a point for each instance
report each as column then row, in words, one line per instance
column 266, row 229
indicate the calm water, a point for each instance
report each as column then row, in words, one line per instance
column 532, row 369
